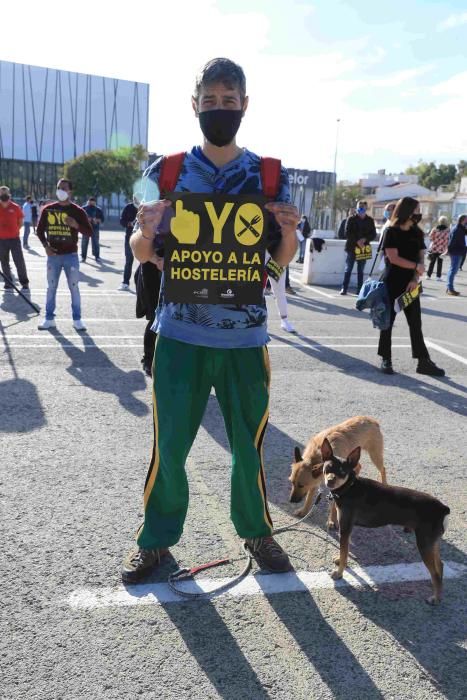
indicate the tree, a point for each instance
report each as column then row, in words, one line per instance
column 102, row 173
column 432, row 176
column 346, row 197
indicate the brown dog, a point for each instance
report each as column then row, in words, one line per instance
column 369, row 504
column 307, row 470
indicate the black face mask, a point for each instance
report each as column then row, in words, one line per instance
column 219, row 126
column 416, row 218
column 4, row 197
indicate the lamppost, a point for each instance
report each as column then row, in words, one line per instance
column 333, row 197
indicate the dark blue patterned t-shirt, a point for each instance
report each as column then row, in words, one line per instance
column 211, row 325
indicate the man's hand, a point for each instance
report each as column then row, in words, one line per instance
column 412, row 285
column 286, row 215
column 361, row 242
column 420, row 269
column 149, row 216
column 49, row 250
column 70, row 221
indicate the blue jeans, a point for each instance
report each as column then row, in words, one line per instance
column 349, row 263
column 94, row 243
column 55, row 265
column 455, row 265
column 27, row 228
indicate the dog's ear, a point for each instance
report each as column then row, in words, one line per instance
column 297, row 454
column 326, row 450
column 354, row 457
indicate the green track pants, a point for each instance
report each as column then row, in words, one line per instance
column 183, row 375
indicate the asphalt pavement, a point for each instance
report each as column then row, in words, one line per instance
column 76, row 432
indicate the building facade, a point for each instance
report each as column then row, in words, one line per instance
column 49, row 116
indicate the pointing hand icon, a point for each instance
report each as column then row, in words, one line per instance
column 185, row 224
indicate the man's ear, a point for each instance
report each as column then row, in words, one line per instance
column 326, row 450
column 245, row 104
column 354, row 457
column 195, row 107
column 297, row 455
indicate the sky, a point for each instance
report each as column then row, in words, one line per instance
column 394, row 73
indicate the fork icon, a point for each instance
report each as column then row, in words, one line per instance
column 249, row 226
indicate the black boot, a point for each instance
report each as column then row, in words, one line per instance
column 386, row 366
column 427, row 366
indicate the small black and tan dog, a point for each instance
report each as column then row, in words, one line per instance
column 368, row 503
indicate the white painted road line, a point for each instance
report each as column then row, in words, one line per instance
column 280, row 346
column 443, row 351
column 309, row 288
column 260, row 584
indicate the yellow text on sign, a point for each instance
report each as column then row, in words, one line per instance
column 248, row 224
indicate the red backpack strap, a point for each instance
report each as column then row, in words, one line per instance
column 170, row 172
column 271, row 176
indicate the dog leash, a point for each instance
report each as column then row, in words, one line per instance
column 186, row 573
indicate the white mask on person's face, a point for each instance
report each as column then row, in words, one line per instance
column 62, row 195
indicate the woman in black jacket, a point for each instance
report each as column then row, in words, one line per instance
column 404, row 251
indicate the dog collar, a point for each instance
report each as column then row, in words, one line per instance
column 342, row 490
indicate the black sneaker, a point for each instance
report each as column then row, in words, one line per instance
column 140, row 563
column 386, row 367
column 343, row 292
column 268, row 554
column 427, row 366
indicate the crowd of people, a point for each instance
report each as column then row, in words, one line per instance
column 191, row 355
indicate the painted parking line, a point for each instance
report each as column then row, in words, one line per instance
column 260, row 584
column 443, row 351
column 309, row 288
column 278, row 346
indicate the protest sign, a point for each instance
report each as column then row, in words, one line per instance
column 363, row 253
column 407, row 298
column 215, row 249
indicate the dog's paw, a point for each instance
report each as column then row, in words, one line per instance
column 331, row 525
column 300, row 513
column 337, row 561
column 336, row 575
column 433, row 600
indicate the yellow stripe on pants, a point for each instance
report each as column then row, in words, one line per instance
column 259, row 439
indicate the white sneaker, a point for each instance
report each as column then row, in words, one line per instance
column 46, row 324
column 123, row 287
column 439, row 279
column 287, row 326
column 79, row 325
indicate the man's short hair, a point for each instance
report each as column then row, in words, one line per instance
column 65, row 179
column 362, row 203
column 461, row 218
column 4, row 187
column 221, row 70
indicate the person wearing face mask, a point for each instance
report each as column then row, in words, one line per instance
column 439, row 237
column 96, row 217
column 200, row 346
column 404, row 249
column 456, row 249
column 359, row 231
column 387, row 213
column 11, row 219
column 58, row 228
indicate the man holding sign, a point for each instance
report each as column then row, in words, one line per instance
column 211, row 234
